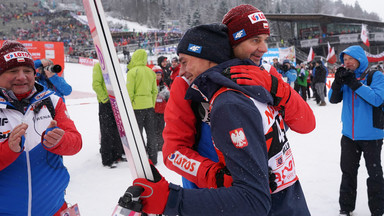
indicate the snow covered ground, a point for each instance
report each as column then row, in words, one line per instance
column 96, row 189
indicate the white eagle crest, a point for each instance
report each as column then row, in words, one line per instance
column 238, row 138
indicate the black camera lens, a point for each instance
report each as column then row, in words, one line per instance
column 53, row 68
column 285, row 67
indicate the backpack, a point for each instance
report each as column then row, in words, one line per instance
column 377, row 112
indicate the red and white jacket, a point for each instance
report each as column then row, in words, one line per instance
column 33, row 181
column 180, row 130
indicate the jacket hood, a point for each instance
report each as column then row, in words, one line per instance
column 206, row 84
column 357, row 53
column 139, row 58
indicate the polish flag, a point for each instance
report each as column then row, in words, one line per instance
column 311, row 55
column 331, row 57
column 364, row 34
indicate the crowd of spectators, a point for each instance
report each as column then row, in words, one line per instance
column 145, row 40
column 32, row 21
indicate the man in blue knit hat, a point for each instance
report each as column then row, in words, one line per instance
column 240, row 117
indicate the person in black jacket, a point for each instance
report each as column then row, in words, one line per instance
column 319, row 82
column 162, row 61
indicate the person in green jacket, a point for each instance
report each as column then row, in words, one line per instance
column 142, row 90
column 111, row 149
column 301, row 81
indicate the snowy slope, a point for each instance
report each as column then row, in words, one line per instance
column 128, row 25
column 96, row 189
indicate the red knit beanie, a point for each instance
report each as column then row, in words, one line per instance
column 243, row 22
column 14, row 54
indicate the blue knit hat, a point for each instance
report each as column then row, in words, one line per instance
column 208, row 42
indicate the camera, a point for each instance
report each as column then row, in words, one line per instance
column 285, row 68
column 53, row 68
column 345, row 72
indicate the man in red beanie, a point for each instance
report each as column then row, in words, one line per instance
column 35, row 132
column 248, row 132
column 248, row 31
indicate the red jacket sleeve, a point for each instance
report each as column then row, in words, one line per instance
column 298, row 115
column 71, row 142
column 7, row 156
column 179, row 137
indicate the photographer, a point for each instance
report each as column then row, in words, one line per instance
column 288, row 72
column 47, row 76
column 360, row 134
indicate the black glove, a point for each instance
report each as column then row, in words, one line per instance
column 340, row 73
column 338, row 82
column 146, row 195
column 130, row 200
column 223, row 178
column 350, row 80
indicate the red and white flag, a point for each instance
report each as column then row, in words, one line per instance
column 331, row 57
column 374, row 58
column 311, row 55
column 364, row 34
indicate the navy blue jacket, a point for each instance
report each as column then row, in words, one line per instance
column 246, row 156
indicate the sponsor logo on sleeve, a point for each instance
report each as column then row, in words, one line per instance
column 238, row 138
column 184, row 163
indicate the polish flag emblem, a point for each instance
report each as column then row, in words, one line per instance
column 238, row 138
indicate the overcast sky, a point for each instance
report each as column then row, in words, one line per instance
column 370, row 6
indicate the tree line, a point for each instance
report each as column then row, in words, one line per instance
column 189, row 13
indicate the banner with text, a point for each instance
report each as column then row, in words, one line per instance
column 309, row 43
column 45, row 49
column 349, row 38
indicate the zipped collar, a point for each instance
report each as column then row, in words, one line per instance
column 9, row 100
column 207, row 83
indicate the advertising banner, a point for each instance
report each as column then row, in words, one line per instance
column 288, row 53
column 309, row 43
column 45, row 49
